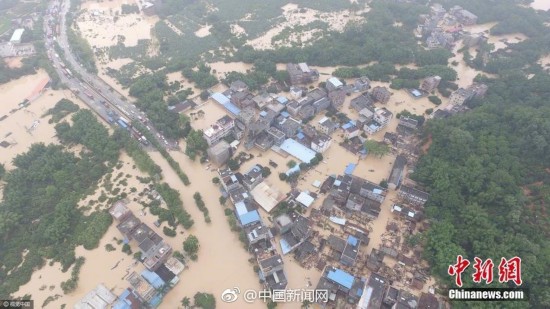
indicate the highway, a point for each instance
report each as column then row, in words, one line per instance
column 91, row 89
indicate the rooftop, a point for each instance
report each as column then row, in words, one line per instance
column 16, row 36
column 298, row 150
column 341, row 277
column 266, row 196
column 305, row 199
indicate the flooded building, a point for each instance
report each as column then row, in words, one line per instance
column 429, row 84
column 362, row 84
column 295, row 229
column 333, row 83
column 381, row 94
column 361, row 102
column 222, row 128
column 341, row 284
column 301, row 73
column 413, row 196
column 373, row 295
column 327, row 126
column 253, row 177
column 98, row 298
column 397, row 172
column 219, row 153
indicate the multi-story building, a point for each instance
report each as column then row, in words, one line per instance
column 362, row 83
column 253, row 177
column 320, row 142
column 220, row 152
column 413, row 196
column 223, row 127
column 429, row 84
column 334, row 83
column 381, row 94
column 460, row 96
column 327, row 126
column 361, row 102
column 373, row 191
column 301, row 73
column 383, row 116
column 277, row 135
column 397, row 172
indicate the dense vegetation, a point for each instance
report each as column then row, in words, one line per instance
column 487, row 172
column 202, row 206
column 39, row 215
column 377, row 40
column 61, row 109
column 191, row 246
column 175, row 205
column 149, row 91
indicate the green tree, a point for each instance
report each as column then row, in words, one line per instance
column 2, row 171
column 186, row 302
column 375, row 148
column 215, row 180
column 205, row 300
column 191, row 246
column 291, row 164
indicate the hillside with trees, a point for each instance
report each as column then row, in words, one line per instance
column 488, row 173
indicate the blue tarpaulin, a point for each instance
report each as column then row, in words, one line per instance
column 285, row 247
column 249, row 217
column 152, row 278
column 341, row 277
column 349, row 169
column 352, row 240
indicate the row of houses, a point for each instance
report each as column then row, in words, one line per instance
column 441, row 29
column 258, row 235
column 146, row 288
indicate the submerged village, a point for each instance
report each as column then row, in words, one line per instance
column 352, row 226
column 312, row 175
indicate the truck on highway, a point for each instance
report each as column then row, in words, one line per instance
column 61, row 63
column 69, row 73
column 88, row 94
column 122, row 124
column 126, row 121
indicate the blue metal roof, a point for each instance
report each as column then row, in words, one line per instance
column 285, row 247
column 155, row 301
column 232, row 108
column 347, row 125
column 282, row 100
column 341, row 277
column 300, row 135
column 249, row 217
column 241, row 208
column 298, row 150
column 349, row 169
column 285, row 114
column 220, row 98
column 352, row 240
column 263, row 113
column 152, row 278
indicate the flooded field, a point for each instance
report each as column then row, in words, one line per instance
column 225, row 67
column 25, row 126
column 296, row 16
column 102, row 25
column 502, row 41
